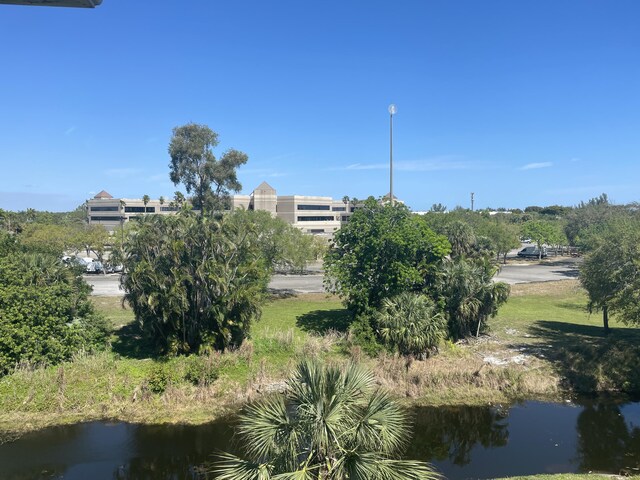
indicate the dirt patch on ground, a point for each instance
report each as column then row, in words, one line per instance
column 545, row 288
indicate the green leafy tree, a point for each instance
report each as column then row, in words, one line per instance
column 49, row 238
column 94, row 238
column 383, row 251
column 411, row 324
column 555, row 211
column 543, row 232
column 332, row 423
column 145, row 201
column 195, row 166
column 45, row 313
column 503, row 237
column 283, row 246
column 438, row 208
column 469, row 294
column 193, row 283
column 589, row 220
column 610, row 272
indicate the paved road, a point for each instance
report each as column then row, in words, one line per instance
column 529, row 271
column 109, row 285
column 524, row 271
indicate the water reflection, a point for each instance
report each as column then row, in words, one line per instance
column 463, row 442
column 120, row 451
column 448, row 433
column 608, row 438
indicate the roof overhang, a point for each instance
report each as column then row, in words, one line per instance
column 55, row 3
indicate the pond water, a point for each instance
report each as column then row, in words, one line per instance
column 462, row 442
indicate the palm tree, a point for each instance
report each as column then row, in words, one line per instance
column 331, row 424
column 469, row 294
column 461, row 237
column 145, row 201
column 161, row 200
column 346, row 200
column 411, row 323
column 30, row 215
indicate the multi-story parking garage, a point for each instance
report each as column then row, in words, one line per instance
column 311, row 214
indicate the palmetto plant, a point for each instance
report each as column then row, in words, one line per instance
column 469, row 294
column 411, row 323
column 331, row 424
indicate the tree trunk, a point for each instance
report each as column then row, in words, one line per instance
column 605, row 319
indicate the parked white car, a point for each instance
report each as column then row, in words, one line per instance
column 90, row 265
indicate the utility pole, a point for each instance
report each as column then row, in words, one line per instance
column 392, row 112
column 472, row 194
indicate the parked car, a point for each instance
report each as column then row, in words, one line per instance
column 109, row 268
column 532, row 252
column 87, row 263
column 94, row 266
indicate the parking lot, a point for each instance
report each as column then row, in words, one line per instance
column 516, row 271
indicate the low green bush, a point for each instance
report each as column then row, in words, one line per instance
column 201, row 370
column 158, row 378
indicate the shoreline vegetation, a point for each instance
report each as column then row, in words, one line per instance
column 543, row 345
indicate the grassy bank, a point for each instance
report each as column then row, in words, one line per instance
column 542, row 343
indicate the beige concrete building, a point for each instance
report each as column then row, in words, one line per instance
column 314, row 215
column 111, row 212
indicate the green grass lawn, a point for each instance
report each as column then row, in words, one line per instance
column 546, row 321
column 550, row 321
column 302, row 314
column 112, row 308
column 529, row 304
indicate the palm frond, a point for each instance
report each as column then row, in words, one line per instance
column 231, row 467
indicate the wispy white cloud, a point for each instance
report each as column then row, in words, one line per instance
column 364, row 166
column 426, row 165
column 70, row 130
column 122, row 172
column 531, row 166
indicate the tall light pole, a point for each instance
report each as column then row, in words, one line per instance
column 392, row 112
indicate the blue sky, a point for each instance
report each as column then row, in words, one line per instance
column 522, row 102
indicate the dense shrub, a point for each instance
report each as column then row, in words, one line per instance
column 45, row 314
column 194, row 283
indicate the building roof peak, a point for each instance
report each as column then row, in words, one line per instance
column 265, row 186
column 103, row 194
